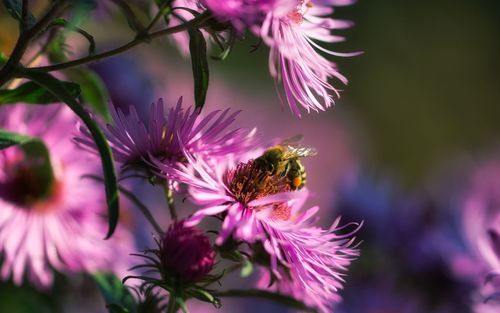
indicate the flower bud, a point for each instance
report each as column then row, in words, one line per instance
column 186, row 254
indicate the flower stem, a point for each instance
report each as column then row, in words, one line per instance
column 24, row 39
column 169, row 195
column 140, row 38
column 172, row 305
column 141, row 206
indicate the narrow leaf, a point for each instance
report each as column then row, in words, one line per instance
column 247, row 269
column 33, row 93
column 94, row 91
column 58, row 89
column 8, row 139
column 182, row 305
column 116, row 295
column 199, row 62
column 202, row 295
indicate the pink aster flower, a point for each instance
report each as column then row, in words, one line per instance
column 57, row 227
column 167, row 137
column 295, row 60
column 243, row 13
column 294, row 31
column 482, row 215
column 481, row 219
column 258, row 207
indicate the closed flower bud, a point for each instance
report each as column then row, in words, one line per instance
column 186, row 254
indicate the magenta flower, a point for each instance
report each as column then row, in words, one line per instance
column 168, row 137
column 186, row 254
column 482, row 215
column 481, row 220
column 258, row 207
column 242, row 13
column 57, row 228
column 295, row 60
column 294, row 31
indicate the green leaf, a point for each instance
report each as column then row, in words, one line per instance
column 80, row 11
column 58, row 50
column 33, row 93
column 94, row 91
column 14, row 7
column 202, row 295
column 3, row 58
column 34, row 149
column 182, row 305
column 263, row 294
column 117, row 296
column 165, row 7
column 199, row 62
column 247, row 269
column 63, row 23
column 58, row 89
column 8, row 139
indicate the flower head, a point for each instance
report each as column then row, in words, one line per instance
column 481, row 219
column 186, row 254
column 294, row 31
column 240, row 13
column 260, row 207
column 166, row 137
column 295, row 60
column 57, row 226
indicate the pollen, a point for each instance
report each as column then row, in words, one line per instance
column 297, row 15
column 282, row 212
column 297, row 181
column 248, row 182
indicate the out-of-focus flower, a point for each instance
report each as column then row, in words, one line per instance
column 412, row 277
column 295, row 60
column 481, row 220
column 58, row 227
column 243, row 13
column 261, row 208
column 293, row 30
column 166, row 137
column 482, row 214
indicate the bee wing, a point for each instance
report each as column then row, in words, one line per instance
column 300, row 152
column 292, row 141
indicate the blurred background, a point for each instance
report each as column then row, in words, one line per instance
column 419, row 116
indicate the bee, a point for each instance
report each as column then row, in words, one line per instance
column 284, row 160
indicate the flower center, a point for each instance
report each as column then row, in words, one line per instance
column 297, row 16
column 249, row 182
column 25, row 188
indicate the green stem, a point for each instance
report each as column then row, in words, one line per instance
column 172, row 305
column 141, row 206
column 7, row 71
column 161, row 12
column 199, row 20
column 169, row 195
